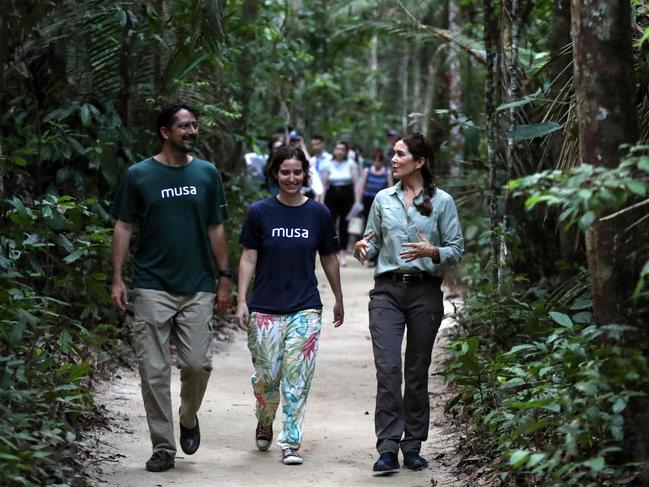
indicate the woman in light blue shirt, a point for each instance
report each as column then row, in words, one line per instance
column 414, row 229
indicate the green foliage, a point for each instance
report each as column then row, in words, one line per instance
column 54, row 332
column 544, row 388
column 586, row 193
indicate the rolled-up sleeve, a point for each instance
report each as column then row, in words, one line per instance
column 450, row 231
column 374, row 226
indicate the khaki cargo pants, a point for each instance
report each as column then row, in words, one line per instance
column 186, row 320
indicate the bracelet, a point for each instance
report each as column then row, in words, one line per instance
column 226, row 273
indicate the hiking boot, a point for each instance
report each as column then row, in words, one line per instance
column 413, row 461
column 190, row 438
column 160, row 461
column 387, row 462
column 263, row 436
column 291, row 457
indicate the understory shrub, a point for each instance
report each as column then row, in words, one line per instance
column 54, row 331
column 544, row 389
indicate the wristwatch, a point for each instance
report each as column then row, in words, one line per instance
column 226, row 273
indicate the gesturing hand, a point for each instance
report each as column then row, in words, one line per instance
column 416, row 250
column 360, row 247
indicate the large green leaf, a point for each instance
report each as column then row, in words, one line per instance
column 531, row 131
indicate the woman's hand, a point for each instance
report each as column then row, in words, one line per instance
column 417, row 250
column 243, row 316
column 339, row 313
column 360, row 247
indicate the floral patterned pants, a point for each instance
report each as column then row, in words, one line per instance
column 283, row 349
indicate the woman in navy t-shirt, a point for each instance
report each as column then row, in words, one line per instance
column 283, row 315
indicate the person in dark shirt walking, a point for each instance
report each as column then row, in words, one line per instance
column 178, row 203
column 283, row 315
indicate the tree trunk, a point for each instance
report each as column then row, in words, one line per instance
column 604, row 79
column 605, row 98
column 125, row 74
column 404, row 87
column 490, row 36
column 605, row 94
column 456, row 140
column 374, row 66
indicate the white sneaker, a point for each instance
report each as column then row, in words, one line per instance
column 291, row 457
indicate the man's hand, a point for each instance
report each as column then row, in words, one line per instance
column 224, row 295
column 119, row 295
column 360, row 247
column 243, row 315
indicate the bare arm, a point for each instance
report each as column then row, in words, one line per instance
column 331, row 269
column 219, row 246
column 121, row 241
column 247, row 265
column 360, row 187
column 325, row 183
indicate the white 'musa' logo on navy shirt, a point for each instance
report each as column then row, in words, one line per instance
column 179, row 191
column 290, row 232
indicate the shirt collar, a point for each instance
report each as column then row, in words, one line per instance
column 397, row 190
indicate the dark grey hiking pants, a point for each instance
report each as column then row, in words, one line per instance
column 402, row 420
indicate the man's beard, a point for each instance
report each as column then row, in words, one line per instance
column 182, row 148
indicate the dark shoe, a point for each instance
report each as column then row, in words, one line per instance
column 190, row 439
column 387, row 462
column 263, row 436
column 160, row 461
column 414, row 461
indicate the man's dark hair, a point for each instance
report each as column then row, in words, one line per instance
column 282, row 154
column 317, row 137
column 167, row 116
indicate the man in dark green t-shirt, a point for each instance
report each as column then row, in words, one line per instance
column 178, row 204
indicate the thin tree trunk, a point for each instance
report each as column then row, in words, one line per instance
column 374, row 66
column 404, row 87
column 415, row 67
column 455, row 87
column 490, row 114
column 428, row 100
column 512, row 94
column 125, row 74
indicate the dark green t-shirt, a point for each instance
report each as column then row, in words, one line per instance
column 172, row 207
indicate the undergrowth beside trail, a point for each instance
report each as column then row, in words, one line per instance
column 58, row 330
column 544, row 389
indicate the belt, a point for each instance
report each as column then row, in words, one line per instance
column 409, row 277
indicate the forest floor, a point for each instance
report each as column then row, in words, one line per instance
column 339, row 440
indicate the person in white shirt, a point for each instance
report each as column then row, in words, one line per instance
column 339, row 177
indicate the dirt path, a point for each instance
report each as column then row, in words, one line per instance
column 338, row 442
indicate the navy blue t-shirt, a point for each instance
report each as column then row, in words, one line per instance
column 286, row 239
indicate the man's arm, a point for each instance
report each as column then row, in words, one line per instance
column 219, row 246
column 121, row 241
column 331, row 268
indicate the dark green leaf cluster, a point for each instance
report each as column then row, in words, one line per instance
column 585, row 192
column 54, row 333
column 545, row 389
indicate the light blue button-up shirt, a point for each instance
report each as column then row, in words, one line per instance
column 393, row 224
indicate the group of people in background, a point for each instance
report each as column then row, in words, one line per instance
column 178, row 203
